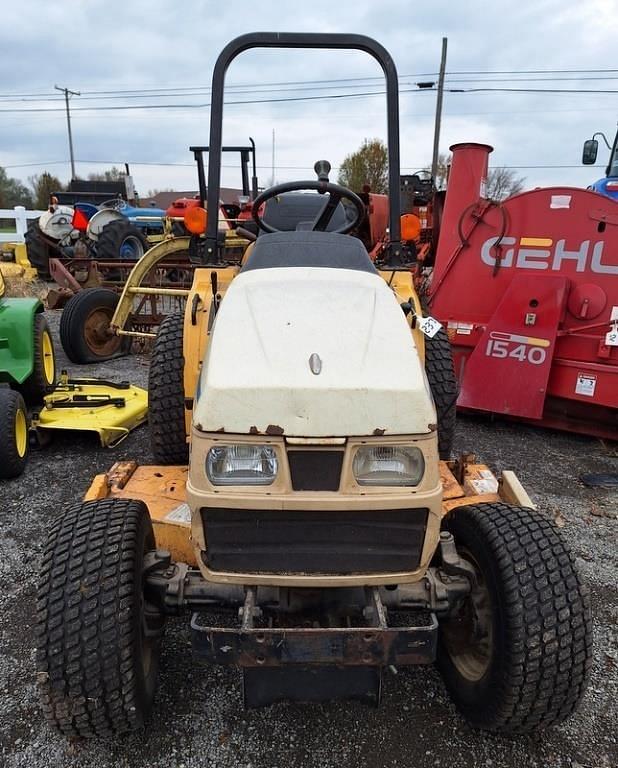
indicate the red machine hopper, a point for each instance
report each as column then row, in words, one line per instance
column 528, row 289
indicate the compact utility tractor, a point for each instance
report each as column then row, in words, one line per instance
column 27, row 372
column 315, row 536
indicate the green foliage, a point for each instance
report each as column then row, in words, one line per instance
column 42, row 186
column 367, row 166
column 13, row 192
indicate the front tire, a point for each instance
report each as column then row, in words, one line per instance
column 443, row 384
column 121, row 240
column 166, row 394
column 43, row 376
column 96, row 663
column 516, row 656
column 13, row 433
column 85, row 324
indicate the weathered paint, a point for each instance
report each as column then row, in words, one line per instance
column 270, row 322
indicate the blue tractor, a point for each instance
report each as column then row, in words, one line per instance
column 608, row 185
column 97, row 223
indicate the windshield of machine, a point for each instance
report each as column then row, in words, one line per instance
column 613, row 163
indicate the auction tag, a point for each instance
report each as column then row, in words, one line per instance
column 428, row 325
column 611, row 338
column 586, row 384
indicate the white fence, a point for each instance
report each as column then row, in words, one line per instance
column 21, row 216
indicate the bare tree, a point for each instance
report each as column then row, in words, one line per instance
column 112, row 174
column 501, row 182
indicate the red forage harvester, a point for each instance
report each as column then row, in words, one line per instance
column 528, row 291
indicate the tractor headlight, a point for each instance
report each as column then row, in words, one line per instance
column 241, row 465
column 388, row 465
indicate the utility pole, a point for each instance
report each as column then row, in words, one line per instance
column 68, row 93
column 273, row 161
column 436, row 133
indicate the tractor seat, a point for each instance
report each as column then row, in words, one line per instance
column 308, row 249
column 298, row 210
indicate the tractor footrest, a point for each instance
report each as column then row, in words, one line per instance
column 342, row 646
column 305, row 642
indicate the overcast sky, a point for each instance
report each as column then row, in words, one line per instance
column 111, row 46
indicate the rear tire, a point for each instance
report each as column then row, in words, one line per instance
column 96, row 665
column 38, row 249
column 166, row 394
column 84, row 327
column 13, row 433
column 516, row 656
column 43, row 376
column 121, row 240
column 443, row 384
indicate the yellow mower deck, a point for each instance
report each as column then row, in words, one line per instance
column 19, row 267
column 110, row 409
column 162, row 489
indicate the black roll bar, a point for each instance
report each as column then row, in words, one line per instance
column 302, row 40
column 198, row 154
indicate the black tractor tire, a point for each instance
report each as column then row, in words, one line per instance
column 43, row 376
column 98, row 639
column 13, row 439
column 166, row 394
column 84, row 327
column 38, row 250
column 443, row 383
column 117, row 234
column 516, row 656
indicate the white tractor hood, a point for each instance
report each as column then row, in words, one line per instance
column 257, row 376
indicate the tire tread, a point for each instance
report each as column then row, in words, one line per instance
column 547, row 616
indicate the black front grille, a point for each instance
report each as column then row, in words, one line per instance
column 314, row 542
column 315, row 470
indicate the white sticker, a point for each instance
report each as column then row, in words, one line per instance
column 180, row 514
column 485, row 486
column 611, row 338
column 464, row 329
column 614, row 314
column 428, row 325
column 560, row 201
column 487, row 474
column 586, row 384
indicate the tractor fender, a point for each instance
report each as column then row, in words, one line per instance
column 100, row 220
column 57, row 222
column 17, row 338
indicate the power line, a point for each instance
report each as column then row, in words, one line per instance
column 318, row 83
column 286, row 99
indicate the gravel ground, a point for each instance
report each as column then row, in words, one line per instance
column 198, row 718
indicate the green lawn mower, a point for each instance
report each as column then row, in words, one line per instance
column 27, row 372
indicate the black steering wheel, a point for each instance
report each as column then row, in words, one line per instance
column 335, row 194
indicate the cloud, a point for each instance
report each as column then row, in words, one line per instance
column 111, row 45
